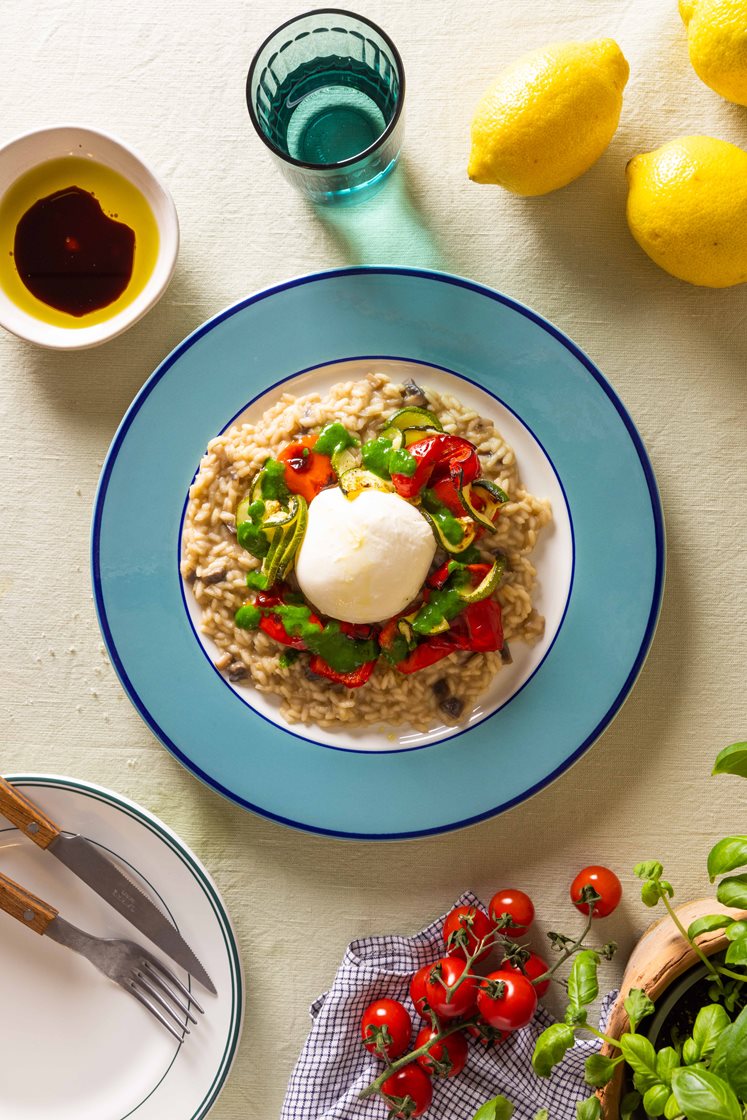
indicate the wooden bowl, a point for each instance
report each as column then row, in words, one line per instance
column 661, row 955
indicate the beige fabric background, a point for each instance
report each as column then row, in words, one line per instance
column 169, row 79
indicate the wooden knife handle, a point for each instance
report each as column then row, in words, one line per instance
column 25, row 906
column 26, row 816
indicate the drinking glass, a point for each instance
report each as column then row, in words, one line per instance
column 325, row 93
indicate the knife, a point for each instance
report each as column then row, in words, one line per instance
column 89, row 863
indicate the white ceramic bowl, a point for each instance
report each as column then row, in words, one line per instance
column 33, row 148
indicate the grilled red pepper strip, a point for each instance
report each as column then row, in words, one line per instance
column 428, row 652
column 353, row 679
column 307, row 472
column 479, row 627
column 272, row 625
column 440, row 455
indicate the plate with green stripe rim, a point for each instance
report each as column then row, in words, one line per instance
column 103, row 1056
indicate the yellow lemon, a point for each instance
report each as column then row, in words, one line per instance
column 687, row 208
column 548, row 117
column 717, row 38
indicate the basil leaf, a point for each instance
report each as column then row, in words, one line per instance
column 598, row 1070
column 736, row 930
column 543, row 1114
column 497, row 1109
column 638, row 1006
column 710, row 1023
column 703, row 1096
column 708, row 923
column 655, row 1099
column 718, row 1058
column 575, row 1016
column 732, row 760
column 583, row 987
column 736, row 1055
column 690, row 1052
column 733, row 892
column 667, row 1061
column 737, row 952
column 649, row 869
column 629, row 1104
column 729, row 854
column 641, row 1057
column 550, row 1048
column 650, row 893
column 671, row 1108
column 590, row 1109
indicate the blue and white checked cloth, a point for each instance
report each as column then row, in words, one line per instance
column 334, row 1067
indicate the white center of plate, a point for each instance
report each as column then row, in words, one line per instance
column 553, row 556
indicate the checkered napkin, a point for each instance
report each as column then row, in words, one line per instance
column 334, row 1067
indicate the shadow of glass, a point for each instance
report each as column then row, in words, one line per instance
column 384, row 227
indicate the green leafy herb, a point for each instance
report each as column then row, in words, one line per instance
column 497, row 1109
column 655, row 1099
column 737, row 952
column 703, row 1096
column 629, row 1104
column 638, row 1006
column 590, row 1109
column 641, row 1057
column 732, row 760
column 598, row 1070
column 551, row 1047
column 728, row 855
column 710, row 1021
column 707, row 924
column 736, row 1056
column 733, row 892
column 667, row 1061
column 583, row 987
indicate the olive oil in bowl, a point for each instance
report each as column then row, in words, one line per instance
column 78, row 242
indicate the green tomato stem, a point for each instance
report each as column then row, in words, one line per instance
column 568, row 951
column 407, row 1059
column 709, row 965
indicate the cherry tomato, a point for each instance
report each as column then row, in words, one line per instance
column 519, row 908
column 475, row 924
column 443, row 974
column 514, row 1007
column 533, row 967
column 443, row 1059
column 386, row 1028
column 604, row 882
column 417, row 991
column 410, row 1081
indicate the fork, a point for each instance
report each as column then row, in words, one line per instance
column 130, row 965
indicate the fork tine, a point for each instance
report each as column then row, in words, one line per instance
column 133, row 989
column 144, row 982
column 155, row 966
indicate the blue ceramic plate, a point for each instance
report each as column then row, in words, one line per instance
column 601, row 569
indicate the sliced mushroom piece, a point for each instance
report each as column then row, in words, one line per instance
column 506, row 657
column 412, row 394
column 214, row 575
column 237, row 671
column 440, row 688
column 452, row 706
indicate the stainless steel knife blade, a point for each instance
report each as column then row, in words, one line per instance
column 96, row 869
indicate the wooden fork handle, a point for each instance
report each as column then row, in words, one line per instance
column 24, row 906
column 26, row 816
